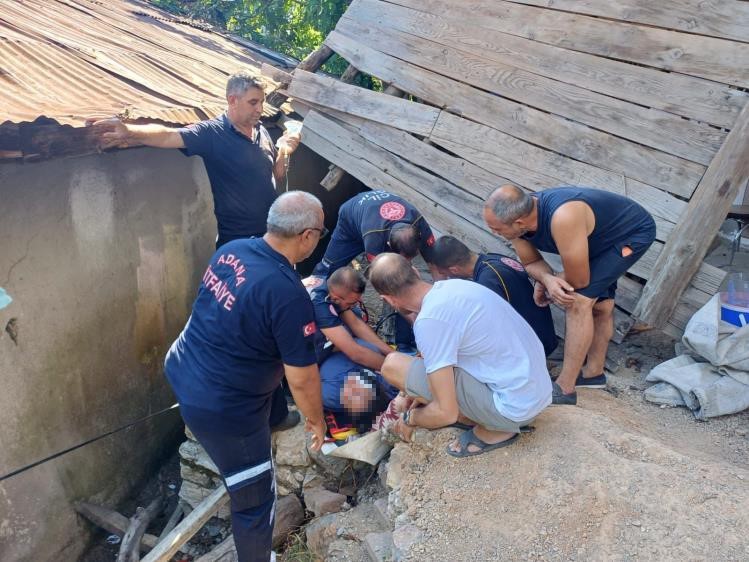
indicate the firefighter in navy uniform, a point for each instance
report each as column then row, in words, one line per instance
column 374, row 222
column 251, row 323
column 502, row 274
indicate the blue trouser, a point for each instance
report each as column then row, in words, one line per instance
column 246, row 467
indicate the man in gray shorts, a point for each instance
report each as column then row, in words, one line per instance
column 482, row 363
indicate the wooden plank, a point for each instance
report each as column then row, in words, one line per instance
column 349, row 151
column 129, row 548
column 190, row 525
column 706, row 57
column 658, row 129
column 509, row 157
column 691, row 97
column 537, row 127
column 112, row 521
column 707, row 209
column 727, row 19
column 328, row 92
column 317, row 58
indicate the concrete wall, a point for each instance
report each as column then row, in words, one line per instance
column 101, row 255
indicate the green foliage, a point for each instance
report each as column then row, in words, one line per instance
column 292, row 27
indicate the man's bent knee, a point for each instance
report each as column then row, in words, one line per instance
column 581, row 304
column 395, row 369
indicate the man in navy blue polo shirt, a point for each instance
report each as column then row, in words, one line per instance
column 505, row 276
column 599, row 235
column 252, row 322
column 242, row 163
column 374, row 222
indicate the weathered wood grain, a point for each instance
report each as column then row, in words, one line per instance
column 706, row 57
column 658, row 129
column 687, row 245
column 727, row 19
column 329, row 92
column 566, row 137
column 691, row 97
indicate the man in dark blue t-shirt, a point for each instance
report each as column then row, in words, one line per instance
column 252, row 322
column 242, row 163
column 599, row 235
column 505, row 276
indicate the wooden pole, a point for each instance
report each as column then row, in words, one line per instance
column 189, row 526
column 316, row 58
column 129, row 549
column 691, row 238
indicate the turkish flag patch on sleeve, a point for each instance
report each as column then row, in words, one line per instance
column 309, row 329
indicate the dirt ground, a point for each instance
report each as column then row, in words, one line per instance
column 614, row 478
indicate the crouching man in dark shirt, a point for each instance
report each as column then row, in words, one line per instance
column 452, row 259
column 252, row 322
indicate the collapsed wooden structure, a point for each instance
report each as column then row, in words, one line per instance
column 644, row 100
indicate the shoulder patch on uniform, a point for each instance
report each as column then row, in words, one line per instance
column 516, row 265
column 309, row 329
column 392, row 211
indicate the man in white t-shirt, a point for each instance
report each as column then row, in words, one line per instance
column 482, row 363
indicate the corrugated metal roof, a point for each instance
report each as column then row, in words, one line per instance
column 69, row 60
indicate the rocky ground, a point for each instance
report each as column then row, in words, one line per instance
column 614, row 478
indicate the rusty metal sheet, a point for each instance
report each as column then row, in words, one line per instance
column 70, row 60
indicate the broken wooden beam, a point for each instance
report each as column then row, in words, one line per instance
column 685, row 249
column 317, row 58
column 129, row 551
column 289, row 517
column 170, row 545
column 113, row 522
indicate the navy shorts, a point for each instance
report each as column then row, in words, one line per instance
column 607, row 267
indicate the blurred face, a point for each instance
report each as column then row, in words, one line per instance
column 507, row 231
column 247, row 109
column 342, row 298
column 357, row 395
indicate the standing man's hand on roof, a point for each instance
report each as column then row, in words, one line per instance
column 110, row 133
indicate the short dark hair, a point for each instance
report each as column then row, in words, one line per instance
column 449, row 251
column 241, row 81
column 404, row 239
column 392, row 274
column 348, row 278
